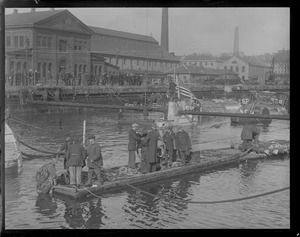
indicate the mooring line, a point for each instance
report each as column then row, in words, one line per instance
column 33, row 148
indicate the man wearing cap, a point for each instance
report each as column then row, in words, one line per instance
column 183, row 144
column 94, row 160
column 132, row 145
column 249, row 133
column 64, row 147
column 75, row 157
column 150, row 142
column 169, row 138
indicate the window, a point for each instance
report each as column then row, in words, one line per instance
column 75, row 45
column 16, row 41
column 231, row 68
column 236, row 68
column 22, row 41
column 24, row 66
column 44, row 70
column 84, row 69
column 49, row 42
column 49, row 68
column 39, row 67
column 243, row 68
column 39, row 41
column 75, row 70
column 44, row 43
column 100, row 70
column 62, row 46
column 79, row 45
column 27, row 41
column 8, row 41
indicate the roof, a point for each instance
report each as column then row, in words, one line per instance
column 195, row 57
column 187, row 69
column 253, row 61
column 29, row 18
column 131, row 49
column 121, row 34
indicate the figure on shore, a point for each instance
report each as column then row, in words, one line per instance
column 249, row 134
column 142, row 167
column 169, row 140
column 150, row 142
column 94, row 161
column 183, row 144
column 75, row 157
column 132, row 145
column 120, row 114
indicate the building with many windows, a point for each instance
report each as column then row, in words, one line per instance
column 52, row 43
column 248, row 70
column 198, row 60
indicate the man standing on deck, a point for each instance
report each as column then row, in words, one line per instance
column 64, row 147
column 94, row 161
column 183, row 144
column 169, row 139
column 249, row 133
column 132, row 145
column 75, row 157
column 150, row 142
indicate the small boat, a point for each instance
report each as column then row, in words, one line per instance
column 13, row 157
column 119, row 179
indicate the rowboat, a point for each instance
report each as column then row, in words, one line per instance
column 13, row 158
column 208, row 159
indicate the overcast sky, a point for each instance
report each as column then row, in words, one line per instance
column 196, row 30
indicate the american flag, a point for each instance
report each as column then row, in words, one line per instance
column 185, row 92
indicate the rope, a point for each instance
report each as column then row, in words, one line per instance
column 47, row 152
column 240, row 199
column 24, row 123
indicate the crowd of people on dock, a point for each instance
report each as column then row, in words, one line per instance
column 32, row 78
column 157, row 149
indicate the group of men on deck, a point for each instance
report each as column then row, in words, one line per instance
column 77, row 155
column 148, row 144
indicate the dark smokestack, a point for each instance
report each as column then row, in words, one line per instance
column 236, row 42
column 165, row 30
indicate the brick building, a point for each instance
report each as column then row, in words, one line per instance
column 51, row 43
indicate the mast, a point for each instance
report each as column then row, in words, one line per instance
column 145, row 103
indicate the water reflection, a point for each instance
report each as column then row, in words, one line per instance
column 46, row 205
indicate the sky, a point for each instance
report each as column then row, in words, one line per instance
column 197, row 30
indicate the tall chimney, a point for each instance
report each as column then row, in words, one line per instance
column 165, row 30
column 236, row 42
column 32, row 10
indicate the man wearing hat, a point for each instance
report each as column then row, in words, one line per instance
column 169, row 139
column 64, row 147
column 132, row 145
column 150, row 142
column 94, row 160
column 183, row 144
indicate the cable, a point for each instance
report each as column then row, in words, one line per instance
column 47, row 152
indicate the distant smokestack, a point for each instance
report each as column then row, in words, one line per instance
column 165, row 30
column 15, row 11
column 32, row 10
column 236, row 42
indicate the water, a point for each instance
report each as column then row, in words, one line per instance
column 131, row 209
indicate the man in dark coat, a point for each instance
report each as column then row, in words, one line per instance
column 183, row 144
column 249, row 133
column 75, row 156
column 169, row 139
column 132, row 145
column 64, row 147
column 94, row 160
column 150, row 142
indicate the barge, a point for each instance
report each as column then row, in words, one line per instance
column 208, row 159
